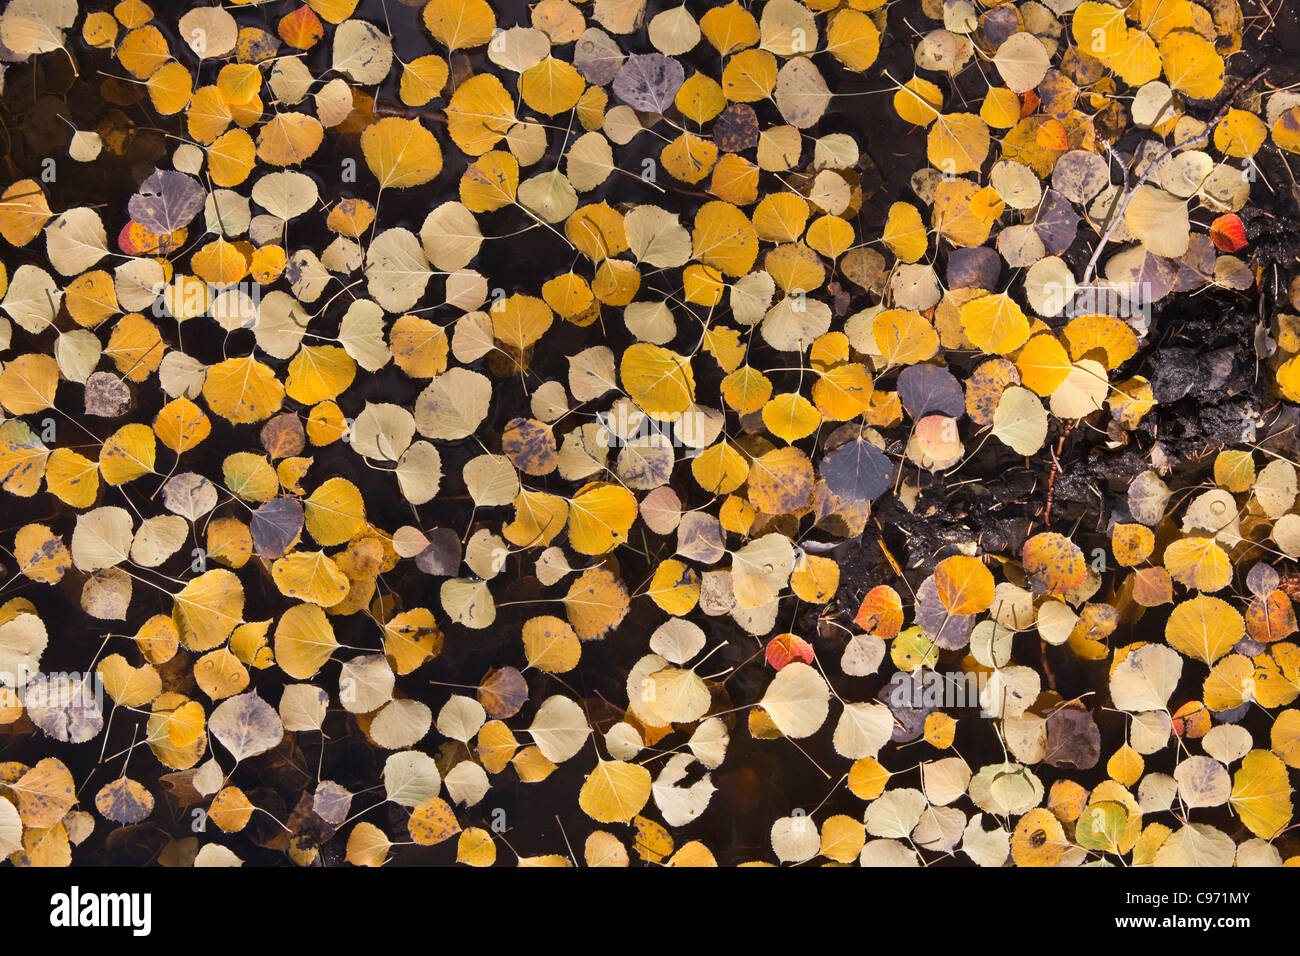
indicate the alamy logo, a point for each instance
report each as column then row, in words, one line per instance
column 625, row 425
column 950, row 690
column 77, row 909
column 234, row 305
column 1129, row 301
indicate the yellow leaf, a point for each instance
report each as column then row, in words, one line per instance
column 1204, row 628
column 490, row 182
column 995, row 323
column 1192, row 65
column 958, row 143
column 318, row 373
column 220, row 262
column 964, row 585
column 474, row 847
column 1198, row 562
column 1132, row 544
column 918, row 102
column 551, row 86
column 551, row 645
column 904, row 233
column 520, row 320
column 781, row 217
column 231, row 158
column 248, row 644
column 616, row 282
column 129, row 686
column 1112, row 336
column 480, row 113
column 1039, row 839
column 724, row 239
column 658, row 380
column 304, row 641
column 689, row 157
column 1098, row 28
column 1053, row 563
column 843, row 392
column 790, row 416
column 749, row 76
column 720, row 469
column 1125, row 766
column 1241, row 133
column 1000, row 109
column 781, row 481
column 400, row 152
column 674, row 587
column 867, row 778
column 310, row 576
column 700, row 98
column 539, row 517
column 46, row 792
column 207, row 609
column 1234, row 470
column 830, row 235
column 238, row 83
column 746, row 390
column 23, row 212
column 1261, row 794
column 136, row 347
column 127, row 454
column 903, row 337
column 460, row 24
column 422, row 79
column 243, row 390
column 143, row 51
column 940, row 730
column 615, row 791
column 1286, row 130
column 180, row 425
column 432, row 822
column 289, row 139
column 852, row 38
column 170, row 88
column 729, row 28
column 28, row 383
column 595, row 603
column 815, row 579
column 1043, row 364
column 220, row 674
column 367, row 845
column 335, row 512
column 600, row 515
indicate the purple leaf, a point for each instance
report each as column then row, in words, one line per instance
column 442, row 555
column 649, row 81
column 167, row 201
column 930, row 389
column 857, row 471
column 275, row 526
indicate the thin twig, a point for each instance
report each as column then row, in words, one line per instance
column 1056, row 467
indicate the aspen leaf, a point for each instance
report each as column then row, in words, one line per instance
column 1204, row 628
column 797, row 700
column 615, row 791
column 401, row 152
column 460, row 24
column 995, row 323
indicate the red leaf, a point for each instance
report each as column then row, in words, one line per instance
column 788, row 648
column 301, row 28
column 1228, row 233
